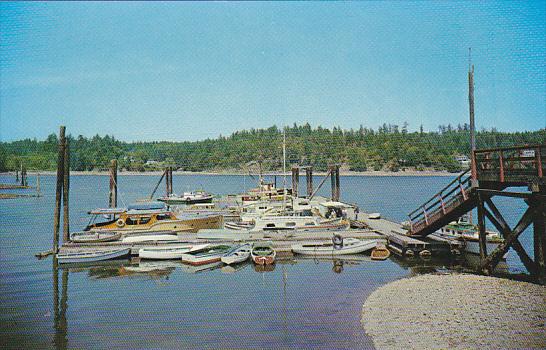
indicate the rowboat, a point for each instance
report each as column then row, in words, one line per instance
column 94, row 237
column 167, row 253
column 150, row 238
column 84, row 257
column 380, row 253
column 262, row 253
column 346, row 246
column 237, row 255
column 207, row 255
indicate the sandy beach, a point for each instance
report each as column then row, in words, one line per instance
column 456, row 311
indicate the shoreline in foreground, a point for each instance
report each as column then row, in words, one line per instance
column 235, row 173
column 457, row 311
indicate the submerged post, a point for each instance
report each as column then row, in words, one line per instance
column 66, row 192
column 59, row 190
column 113, row 184
column 295, row 180
column 309, row 180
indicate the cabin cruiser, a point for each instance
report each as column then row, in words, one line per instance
column 148, row 217
column 187, row 198
column 467, row 232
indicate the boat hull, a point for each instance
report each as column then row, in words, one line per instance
column 185, row 200
column 198, row 261
column 163, row 253
column 92, row 257
column 263, row 260
column 94, row 237
column 329, row 250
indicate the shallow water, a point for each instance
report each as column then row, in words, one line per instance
column 301, row 303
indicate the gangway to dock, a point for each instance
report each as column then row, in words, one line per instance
column 492, row 172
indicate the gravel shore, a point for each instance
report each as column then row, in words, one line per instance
column 456, row 311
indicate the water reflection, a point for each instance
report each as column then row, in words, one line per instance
column 60, row 322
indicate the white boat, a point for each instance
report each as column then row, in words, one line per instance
column 237, row 255
column 84, row 257
column 207, row 255
column 167, row 253
column 94, row 237
column 347, row 246
column 262, row 253
column 188, row 198
column 292, row 223
column 150, row 238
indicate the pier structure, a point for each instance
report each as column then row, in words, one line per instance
column 494, row 172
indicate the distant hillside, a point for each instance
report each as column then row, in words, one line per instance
column 389, row 148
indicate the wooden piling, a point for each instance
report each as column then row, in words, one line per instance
column 113, row 202
column 334, row 178
column 168, row 190
column 295, row 180
column 59, row 190
column 481, row 226
column 309, row 180
column 66, row 192
column 539, row 237
column 16, row 175
column 38, row 192
column 338, row 185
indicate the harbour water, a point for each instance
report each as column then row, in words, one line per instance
column 300, row 303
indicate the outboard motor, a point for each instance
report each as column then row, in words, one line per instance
column 337, row 240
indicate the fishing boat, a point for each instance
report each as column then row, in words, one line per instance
column 86, row 257
column 187, row 198
column 237, row 255
column 336, row 247
column 262, row 253
column 94, row 237
column 167, row 253
column 148, row 217
column 207, row 255
column 463, row 230
column 380, row 253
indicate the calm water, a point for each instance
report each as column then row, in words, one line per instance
column 301, row 303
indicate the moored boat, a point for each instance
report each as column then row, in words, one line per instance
column 188, row 198
column 343, row 247
column 262, row 253
column 167, row 253
column 207, row 255
column 85, row 257
column 380, row 253
column 237, row 255
column 94, row 237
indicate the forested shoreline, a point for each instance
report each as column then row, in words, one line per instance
column 389, row 148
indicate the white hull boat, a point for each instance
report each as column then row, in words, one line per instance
column 85, row 257
column 167, row 253
column 94, row 237
column 207, row 255
column 150, row 238
column 349, row 246
column 237, row 255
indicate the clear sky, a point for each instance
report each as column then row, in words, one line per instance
column 188, row 71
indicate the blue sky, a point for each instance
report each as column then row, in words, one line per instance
column 188, row 71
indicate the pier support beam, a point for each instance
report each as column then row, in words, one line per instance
column 59, row 190
column 113, row 201
column 66, row 192
column 169, row 181
column 334, row 178
column 295, row 180
column 309, row 180
column 482, row 230
column 539, row 236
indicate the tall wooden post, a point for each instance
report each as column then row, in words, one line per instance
column 332, row 182
column 472, row 124
column 38, row 191
column 295, row 180
column 16, row 175
column 113, row 202
column 24, row 181
column 481, row 226
column 66, row 192
column 170, row 180
column 59, row 190
column 539, row 237
column 21, row 167
column 309, row 179
column 338, row 187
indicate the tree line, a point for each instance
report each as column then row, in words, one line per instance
column 390, row 147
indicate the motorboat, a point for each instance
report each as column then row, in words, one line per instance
column 94, row 237
column 187, row 198
column 344, row 246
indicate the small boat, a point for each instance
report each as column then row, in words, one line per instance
column 237, row 255
column 94, row 237
column 187, row 198
column 262, row 253
column 207, row 255
column 167, row 253
column 85, row 257
column 150, row 238
column 380, row 253
column 338, row 246
column 374, row 216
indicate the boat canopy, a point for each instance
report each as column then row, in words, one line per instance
column 107, row 211
column 147, row 206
